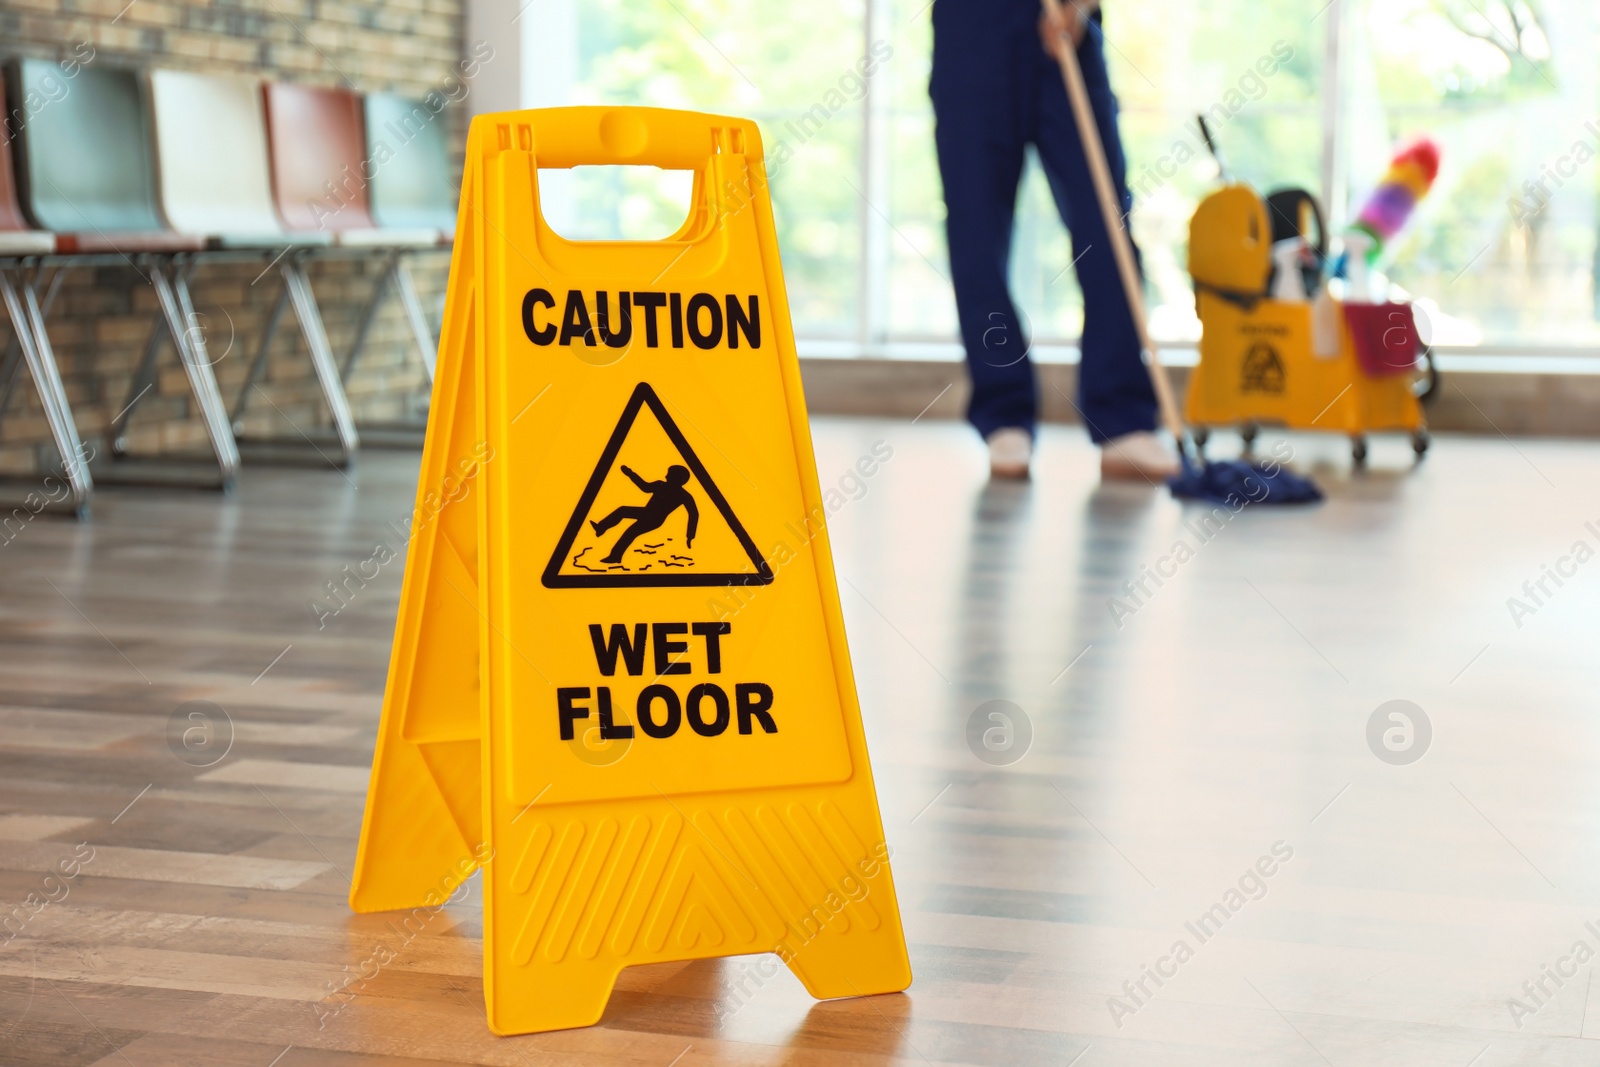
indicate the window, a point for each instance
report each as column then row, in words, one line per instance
column 1507, row 87
column 792, row 69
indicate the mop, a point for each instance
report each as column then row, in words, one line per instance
column 1232, row 482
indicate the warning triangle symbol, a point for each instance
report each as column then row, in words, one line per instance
column 650, row 515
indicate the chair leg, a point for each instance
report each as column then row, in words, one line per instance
column 27, row 320
column 11, row 362
column 198, row 364
column 322, row 360
column 427, row 347
column 369, row 315
column 197, row 367
column 141, row 383
column 259, row 363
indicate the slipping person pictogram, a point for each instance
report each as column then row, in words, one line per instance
column 665, row 497
column 644, row 554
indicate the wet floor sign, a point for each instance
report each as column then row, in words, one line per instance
column 619, row 681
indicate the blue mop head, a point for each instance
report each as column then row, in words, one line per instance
column 1236, row 482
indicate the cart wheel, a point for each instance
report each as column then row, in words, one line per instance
column 1201, row 435
column 1358, row 451
column 1420, row 442
column 1248, row 433
column 119, row 448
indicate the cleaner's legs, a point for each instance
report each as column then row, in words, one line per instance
column 1114, row 392
column 980, row 108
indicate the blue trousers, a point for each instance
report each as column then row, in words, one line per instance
column 995, row 91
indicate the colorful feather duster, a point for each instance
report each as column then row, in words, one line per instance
column 1410, row 176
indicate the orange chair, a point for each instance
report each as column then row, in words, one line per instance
column 316, row 140
column 322, row 181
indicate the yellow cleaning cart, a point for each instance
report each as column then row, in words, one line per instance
column 1259, row 364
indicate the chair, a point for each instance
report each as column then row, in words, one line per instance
column 85, row 171
column 212, row 160
column 323, row 176
column 317, row 158
column 84, row 165
column 411, row 190
column 26, row 313
column 410, row 194
column 17, row 237
column 319, row 187
column 215, row 176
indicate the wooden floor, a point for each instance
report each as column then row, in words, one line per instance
column 1182, row 742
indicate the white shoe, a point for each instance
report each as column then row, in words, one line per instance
column 1137, row 456
column 1010, row 452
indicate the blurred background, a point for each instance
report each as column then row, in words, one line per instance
column 1506, row 88
column 1500, row 258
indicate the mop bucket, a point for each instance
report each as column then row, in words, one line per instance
column 1258, row 364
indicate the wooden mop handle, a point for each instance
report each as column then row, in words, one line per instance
column 1094, row 152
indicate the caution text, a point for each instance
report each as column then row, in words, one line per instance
column 662, row 319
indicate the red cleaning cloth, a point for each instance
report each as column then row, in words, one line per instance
column 1385, row 338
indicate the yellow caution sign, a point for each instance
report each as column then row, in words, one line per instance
column 619, row 682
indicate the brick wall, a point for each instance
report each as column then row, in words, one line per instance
column 102, row 318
